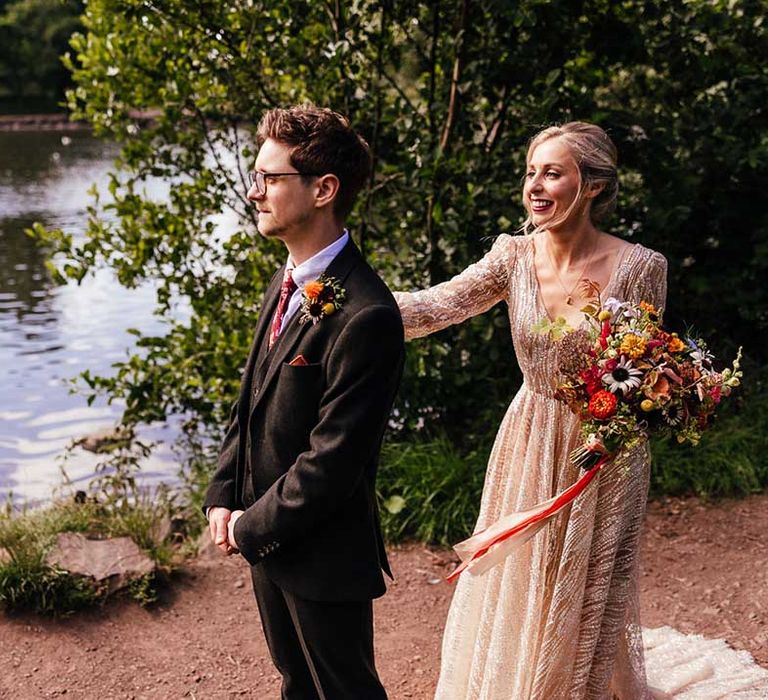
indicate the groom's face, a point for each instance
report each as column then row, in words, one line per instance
column 288, row 202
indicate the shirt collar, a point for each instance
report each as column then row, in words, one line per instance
column 312, row 268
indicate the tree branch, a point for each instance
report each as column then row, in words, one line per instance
column 493, row 134
column 375, row 135
column 433, row 69
column 458, row 64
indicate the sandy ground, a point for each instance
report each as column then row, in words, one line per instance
column 705, row 571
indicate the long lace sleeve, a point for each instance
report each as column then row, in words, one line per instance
column 469, row 293
column 651, row 282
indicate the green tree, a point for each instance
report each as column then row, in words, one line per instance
column 447, row 94
column 33, row 36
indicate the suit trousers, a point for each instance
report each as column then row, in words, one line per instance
column 324, row 651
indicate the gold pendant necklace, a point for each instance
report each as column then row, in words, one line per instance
column 569, row 295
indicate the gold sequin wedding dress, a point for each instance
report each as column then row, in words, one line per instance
column 558, row 618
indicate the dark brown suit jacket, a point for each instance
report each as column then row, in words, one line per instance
column 309, row 436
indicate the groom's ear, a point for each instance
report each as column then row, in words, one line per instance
column 327, row 187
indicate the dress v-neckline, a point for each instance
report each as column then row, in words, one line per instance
column 621, row 256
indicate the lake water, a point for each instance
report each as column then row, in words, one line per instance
column 49, row 333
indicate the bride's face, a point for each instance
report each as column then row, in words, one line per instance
column 551, row 183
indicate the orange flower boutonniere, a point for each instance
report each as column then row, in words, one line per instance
column 320, row 298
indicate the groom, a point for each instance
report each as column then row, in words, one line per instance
column 294, row 491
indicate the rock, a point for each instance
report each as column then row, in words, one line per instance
column 104, row 440
column 115, row 561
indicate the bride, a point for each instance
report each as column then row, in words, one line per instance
column 558, row 618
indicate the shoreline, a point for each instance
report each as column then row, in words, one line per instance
column 58, row 121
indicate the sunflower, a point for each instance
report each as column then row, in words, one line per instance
column 623, row 377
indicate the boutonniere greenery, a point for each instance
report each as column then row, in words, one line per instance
column 320, row 298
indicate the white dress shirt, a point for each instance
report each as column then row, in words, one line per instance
column 310, row 270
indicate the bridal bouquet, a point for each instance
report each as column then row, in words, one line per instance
column 626, row 378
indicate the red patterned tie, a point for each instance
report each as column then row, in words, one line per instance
column 286, row 291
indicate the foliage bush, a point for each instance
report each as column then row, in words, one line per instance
column 33, row 35
column 26, row 581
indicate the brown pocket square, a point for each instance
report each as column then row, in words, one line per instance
column 298, row 361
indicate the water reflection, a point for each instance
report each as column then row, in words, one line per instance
column 49, row 334
column 24, row 282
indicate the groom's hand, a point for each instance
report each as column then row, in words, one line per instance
column 218, row 521
column 231, row 531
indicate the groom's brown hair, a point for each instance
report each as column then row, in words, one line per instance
column 321, row 142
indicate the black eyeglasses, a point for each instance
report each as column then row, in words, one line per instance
column 258, row 179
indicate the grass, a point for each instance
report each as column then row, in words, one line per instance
column 429, row 490
column 731, row 460
column 26, row 580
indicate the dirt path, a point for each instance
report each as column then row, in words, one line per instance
column 705, row 571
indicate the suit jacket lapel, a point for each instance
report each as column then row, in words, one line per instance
column 258, row 351
column 287, row 340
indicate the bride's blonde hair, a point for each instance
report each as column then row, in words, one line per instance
column 595, row 156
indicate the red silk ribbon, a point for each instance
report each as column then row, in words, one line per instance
column 478, row 545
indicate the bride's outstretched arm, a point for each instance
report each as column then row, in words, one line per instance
column 471, row 292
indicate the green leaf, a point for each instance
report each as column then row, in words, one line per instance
column 394, row 504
